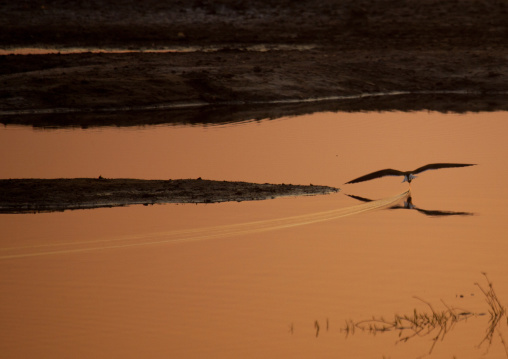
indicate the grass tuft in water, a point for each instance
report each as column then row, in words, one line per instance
column 496, row 310
column 433, row 323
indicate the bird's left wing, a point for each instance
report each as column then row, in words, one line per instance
column 377, row 174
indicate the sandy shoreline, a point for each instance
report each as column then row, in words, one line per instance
column 49, row 195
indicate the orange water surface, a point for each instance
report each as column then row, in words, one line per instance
column 257, row 279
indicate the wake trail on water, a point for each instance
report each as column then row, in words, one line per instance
column 199, row 234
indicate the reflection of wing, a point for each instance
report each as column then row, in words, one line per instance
column 435, row 166
column 377, row 174
column 363, row 199
column 442, row 213
column 409, row 205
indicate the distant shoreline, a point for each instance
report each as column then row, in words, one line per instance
column 239, row 53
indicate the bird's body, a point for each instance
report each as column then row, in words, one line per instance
column 408, row 175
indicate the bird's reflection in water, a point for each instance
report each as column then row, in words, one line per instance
column 408, row 204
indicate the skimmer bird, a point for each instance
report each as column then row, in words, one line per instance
column 408, row 175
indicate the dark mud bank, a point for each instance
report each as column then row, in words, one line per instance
column 334, row 48
column 48, row 195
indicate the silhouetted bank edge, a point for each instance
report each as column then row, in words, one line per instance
column 33, row 195
column 219, row 114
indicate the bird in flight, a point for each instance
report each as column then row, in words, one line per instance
column 408, row 175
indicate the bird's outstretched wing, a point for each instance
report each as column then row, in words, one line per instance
column 377, row 174
column 435, row 166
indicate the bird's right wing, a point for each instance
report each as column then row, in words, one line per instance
column 377, row 174
column 435, row 166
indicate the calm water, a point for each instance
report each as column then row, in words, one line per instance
column 225, row 280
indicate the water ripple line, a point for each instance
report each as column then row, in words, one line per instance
column 192, row 235
column 196, row 104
